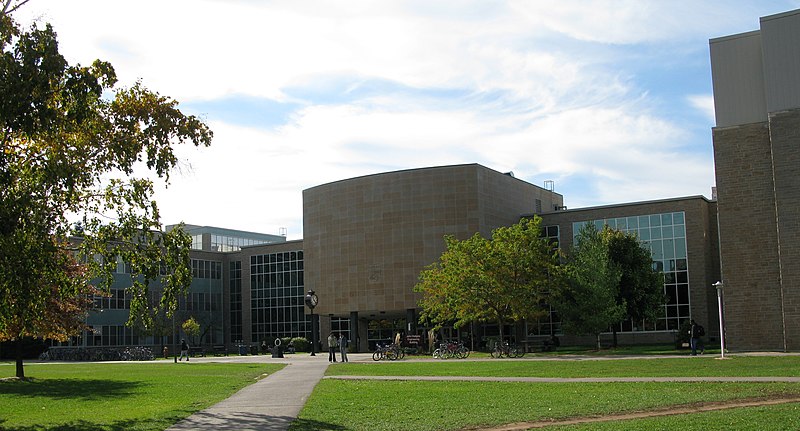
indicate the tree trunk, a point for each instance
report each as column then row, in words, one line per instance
column 598, row 341
column 614, row 331
column 501, row 324
column 20, row 368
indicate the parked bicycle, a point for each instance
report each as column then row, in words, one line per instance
column 451, row 350
column 391, row 352
column 505, row 350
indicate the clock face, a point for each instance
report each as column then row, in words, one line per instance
column 314, row 300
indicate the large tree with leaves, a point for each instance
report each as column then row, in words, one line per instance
column 503, row 279
column 587, row 303
column 72, row 141
column 641, row 287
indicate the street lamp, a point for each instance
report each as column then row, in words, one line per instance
column 311, row 301
column 718, row 285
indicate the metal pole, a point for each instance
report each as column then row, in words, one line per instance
column 313, row 336
column 718, row 285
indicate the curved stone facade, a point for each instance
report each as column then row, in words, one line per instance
column 366, row 239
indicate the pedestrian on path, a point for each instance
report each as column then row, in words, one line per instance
column 695, row 332
column 184, row 350
column 332, row 344
column 343, row 346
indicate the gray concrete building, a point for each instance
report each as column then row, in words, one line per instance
column 756, row 79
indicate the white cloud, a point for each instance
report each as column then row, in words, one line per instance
column 703, row 103
column 548, row 89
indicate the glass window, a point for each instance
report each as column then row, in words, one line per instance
column 680, row 248
column 669, row 248
column 655, row 220
column 655, row 233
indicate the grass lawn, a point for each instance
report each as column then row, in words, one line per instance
column 118, row 396
column 450, row 405
column 697, row 366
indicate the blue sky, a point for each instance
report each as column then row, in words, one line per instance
column 610, row 99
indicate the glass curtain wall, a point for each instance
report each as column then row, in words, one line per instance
column 665, row 235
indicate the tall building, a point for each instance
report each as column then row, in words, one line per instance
column 366, row 239
column 756, row 79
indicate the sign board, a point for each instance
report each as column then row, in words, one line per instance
column 413, row 339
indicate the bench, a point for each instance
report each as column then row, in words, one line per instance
column 220, row 350
column 543, row 343
column 196, row 351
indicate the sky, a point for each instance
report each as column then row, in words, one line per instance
column 609, row 99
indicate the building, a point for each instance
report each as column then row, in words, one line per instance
column 367, row 238
column 757, row 154
column 682, row 236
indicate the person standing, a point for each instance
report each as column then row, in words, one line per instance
column 694, row 336
column 184, row 350
column 332, row 347
column 343, row 346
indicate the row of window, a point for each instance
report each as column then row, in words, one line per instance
column 232, row 243
column 288, row 256
column 207, row 269
column 236, row 299
column 277, row 292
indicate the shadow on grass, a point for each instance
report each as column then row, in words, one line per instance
column 82, row 425
column 78, row 389
column 309, row 425
column 231, row 421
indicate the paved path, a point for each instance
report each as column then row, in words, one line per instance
column 270, row 404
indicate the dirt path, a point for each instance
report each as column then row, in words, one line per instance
column 694, row 408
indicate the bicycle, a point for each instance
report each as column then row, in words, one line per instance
column 451, row 349
column 391, row 352
column 506, row 350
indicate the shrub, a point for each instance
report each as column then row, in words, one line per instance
column 300, row 344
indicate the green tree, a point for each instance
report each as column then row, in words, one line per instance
column 72, row 142
column 505, row 279
column 587, row 303
column 641, row 287
column 191, row 328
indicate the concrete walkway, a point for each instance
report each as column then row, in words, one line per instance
column 270, row 404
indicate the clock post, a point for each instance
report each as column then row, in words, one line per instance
column 312, row 300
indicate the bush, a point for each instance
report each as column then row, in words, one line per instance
column 300, row 344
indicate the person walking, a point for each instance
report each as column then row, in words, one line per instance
column 694, row 336
column 184, row 350
column 332, row 344
column 343, row 346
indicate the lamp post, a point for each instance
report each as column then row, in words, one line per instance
column 311, row 301
column 718, row 285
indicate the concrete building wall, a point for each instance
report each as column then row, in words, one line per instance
column 368, row 238
column 784, row 130
column 758, row 189
column 748, row 238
